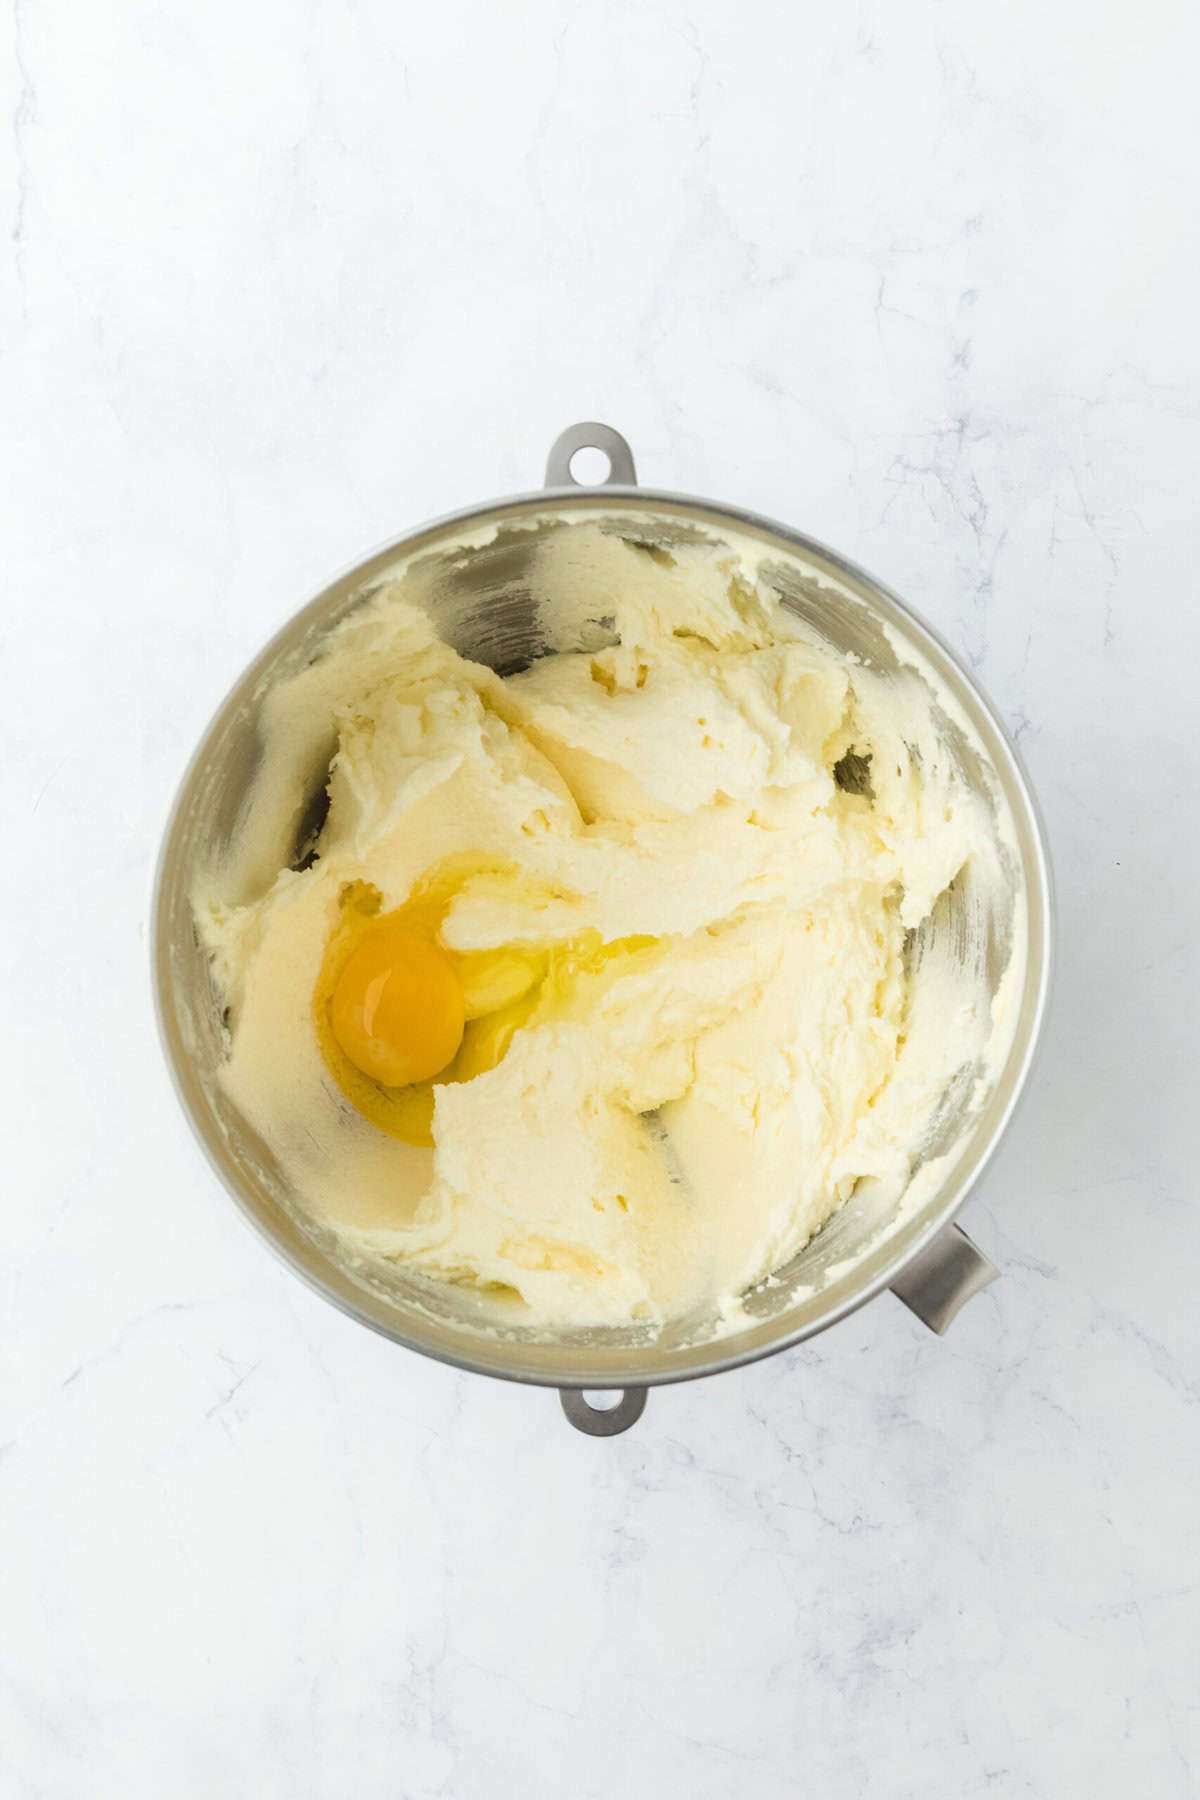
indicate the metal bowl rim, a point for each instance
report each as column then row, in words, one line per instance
column 1039, row 878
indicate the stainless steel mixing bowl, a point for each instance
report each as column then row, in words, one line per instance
column 486, row 612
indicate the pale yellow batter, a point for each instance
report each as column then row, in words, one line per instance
column 721, row 1038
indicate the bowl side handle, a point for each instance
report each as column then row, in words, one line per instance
column 942, row 1277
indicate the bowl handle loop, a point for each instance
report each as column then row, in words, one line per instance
column 606, row 1422
column 591, row 435
column 942, row 1277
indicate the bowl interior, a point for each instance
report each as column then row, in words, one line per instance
column 478, row 562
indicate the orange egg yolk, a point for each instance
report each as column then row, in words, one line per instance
column 397, row 1007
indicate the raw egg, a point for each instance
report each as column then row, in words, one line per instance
column 397, row 1012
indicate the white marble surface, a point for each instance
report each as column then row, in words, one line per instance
column 283, row 279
